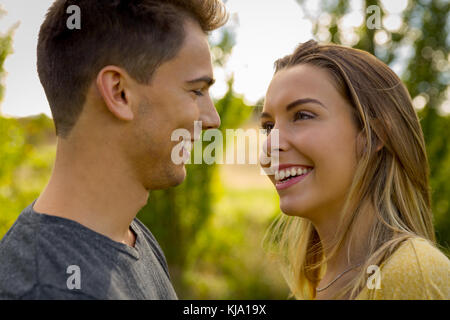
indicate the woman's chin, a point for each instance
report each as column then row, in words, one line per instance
column 294, row 207
column 291, row 209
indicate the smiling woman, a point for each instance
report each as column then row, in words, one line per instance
column 352, row 180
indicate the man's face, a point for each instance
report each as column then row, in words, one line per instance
column 176, row 97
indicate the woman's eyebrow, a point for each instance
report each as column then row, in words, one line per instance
column 303, row 101
column 294, row 104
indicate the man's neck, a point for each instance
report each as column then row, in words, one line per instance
column 97, row 193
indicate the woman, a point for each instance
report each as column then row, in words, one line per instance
column 352, row 180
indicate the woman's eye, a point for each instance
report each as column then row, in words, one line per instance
column 267, row 127
column 301, row 115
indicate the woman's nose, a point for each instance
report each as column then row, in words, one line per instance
column 270, row 149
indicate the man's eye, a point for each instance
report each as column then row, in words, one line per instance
column 198, row 92
column 267, row 127
column 301, row 115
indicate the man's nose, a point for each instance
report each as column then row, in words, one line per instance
column 208, row 115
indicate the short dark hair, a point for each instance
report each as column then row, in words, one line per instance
column 136, row 35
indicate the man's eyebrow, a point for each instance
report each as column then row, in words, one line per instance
column 265, row 115
column 295, row 104
column 206, row 79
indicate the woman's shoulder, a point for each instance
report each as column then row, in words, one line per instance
column 416, row 270
column 417, row 255
column 419, row 250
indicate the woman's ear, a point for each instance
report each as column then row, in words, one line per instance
column 380, row 133
column 361, row 140
column 112, row 84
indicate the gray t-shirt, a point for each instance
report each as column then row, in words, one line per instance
column 49, row 257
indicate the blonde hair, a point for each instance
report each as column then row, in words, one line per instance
column 391, row 182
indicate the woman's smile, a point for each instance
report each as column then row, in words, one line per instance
column 287, row 176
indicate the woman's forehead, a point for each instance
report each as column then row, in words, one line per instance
column 298, row 81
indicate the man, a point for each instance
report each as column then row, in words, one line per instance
column 118, row 86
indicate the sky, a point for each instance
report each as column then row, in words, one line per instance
column 265, row 31
column 263, row 35
column 24, row 95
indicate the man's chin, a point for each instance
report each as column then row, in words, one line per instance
column 173, row 179
column 180, row 175
column 178, row 180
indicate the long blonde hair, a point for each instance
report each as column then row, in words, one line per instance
column 393, row 181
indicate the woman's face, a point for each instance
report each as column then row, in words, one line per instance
column 317, row 141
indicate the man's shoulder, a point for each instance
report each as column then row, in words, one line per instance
column 150, row 238
column 146, row 231
column 37, row 256
column 17, row 256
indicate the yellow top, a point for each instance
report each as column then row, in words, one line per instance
column 415, row 271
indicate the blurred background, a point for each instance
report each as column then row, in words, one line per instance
column 211, row 227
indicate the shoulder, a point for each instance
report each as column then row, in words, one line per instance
column 143, row 228
column 37, row 255
column 416, row 270
column 18, row 258
column 151, row 241
column 49, row 292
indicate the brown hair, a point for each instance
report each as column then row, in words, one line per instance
column 390, row 184
column 136, row 35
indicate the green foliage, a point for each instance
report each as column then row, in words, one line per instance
column 12, row 151
column 227, row 259
column 27, row 151
column 5, row 50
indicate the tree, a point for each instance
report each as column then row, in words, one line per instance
column 5, row 50
column 12, row 147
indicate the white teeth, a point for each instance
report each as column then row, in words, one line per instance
column 290, row 172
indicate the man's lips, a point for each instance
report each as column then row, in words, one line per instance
column 187, row 148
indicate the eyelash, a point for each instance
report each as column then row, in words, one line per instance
column 198, row 93
column 300, row 113
column 297, row 116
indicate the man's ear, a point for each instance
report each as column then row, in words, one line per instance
column 111, row 83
